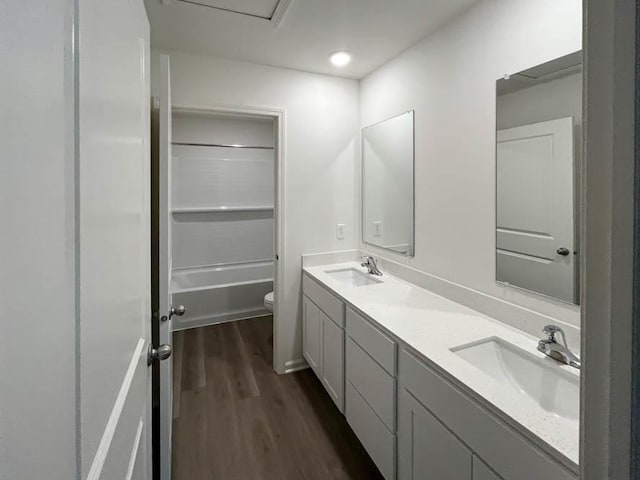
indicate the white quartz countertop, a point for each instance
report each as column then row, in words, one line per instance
column 431, row 325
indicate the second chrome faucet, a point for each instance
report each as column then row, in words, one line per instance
column 558, row 351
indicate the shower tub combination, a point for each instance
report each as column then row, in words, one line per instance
column 221, row 293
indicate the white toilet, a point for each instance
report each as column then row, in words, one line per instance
column 268, row 301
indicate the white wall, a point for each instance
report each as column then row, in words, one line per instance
column 37, row 339
column 449, row 79
column 320, row 151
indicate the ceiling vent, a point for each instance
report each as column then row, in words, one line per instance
column 270, row 10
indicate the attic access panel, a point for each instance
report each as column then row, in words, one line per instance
column 254, row 8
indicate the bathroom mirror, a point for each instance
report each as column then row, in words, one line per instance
column 387, row 184
column 538, row 165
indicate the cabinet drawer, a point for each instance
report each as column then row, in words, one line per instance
column 379, row 442
column 328, row 303
column 509, row 453
column 374, row 384
column 373, row 341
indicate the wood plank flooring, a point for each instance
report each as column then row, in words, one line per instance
column 236, row 419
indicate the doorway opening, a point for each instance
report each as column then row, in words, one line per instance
column 223, row 214
column 217, row 176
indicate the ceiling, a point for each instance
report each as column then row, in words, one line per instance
column 298, row 34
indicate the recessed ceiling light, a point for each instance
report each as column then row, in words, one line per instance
column 340, row 59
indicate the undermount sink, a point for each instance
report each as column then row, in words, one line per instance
column 542, row 380
column 353, row 277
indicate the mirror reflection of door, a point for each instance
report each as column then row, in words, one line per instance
column 537, row 147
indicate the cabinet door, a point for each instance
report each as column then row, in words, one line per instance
column 312, row 335
column 482, row 472
column 333, row 360
column 426, row 449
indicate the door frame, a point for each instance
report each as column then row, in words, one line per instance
column 610, row 269
column 278, row 115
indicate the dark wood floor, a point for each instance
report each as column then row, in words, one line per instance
column 234, row 418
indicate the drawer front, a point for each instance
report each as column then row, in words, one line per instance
column 373, row 341
column 379, row 442
column 328, row 303
column 509, row 453
column 374, row 384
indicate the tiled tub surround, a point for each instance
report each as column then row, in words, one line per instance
column 429, row 326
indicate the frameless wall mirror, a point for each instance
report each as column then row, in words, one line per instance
column 387, row 184
column 538, row 164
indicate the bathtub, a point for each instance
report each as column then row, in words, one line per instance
column 220, row 293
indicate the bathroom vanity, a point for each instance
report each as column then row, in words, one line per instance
column 434, row 389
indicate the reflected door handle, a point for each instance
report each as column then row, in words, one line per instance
column 161, row 353
column 563, row 251
column 179, row 311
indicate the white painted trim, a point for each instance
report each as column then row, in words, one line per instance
column 295, row 365
column 110, row 429
column 279, row 116
column 165, row 297
column 281, row 235
column 607, row 408
column 134, row 451
column 279, row 12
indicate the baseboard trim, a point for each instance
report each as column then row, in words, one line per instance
column 295, row 365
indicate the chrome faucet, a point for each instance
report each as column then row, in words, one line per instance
column 558, row 351
column 371, row 265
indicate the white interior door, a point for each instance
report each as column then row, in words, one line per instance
column 113, row 217
column 535, row 213
column 164, row 270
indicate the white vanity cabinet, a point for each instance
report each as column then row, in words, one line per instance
column 426, row 449
column 482, row 472
column 444, row 434
column 323, row 337
column 371, row 390
column 413, row 418
column 333, row 360
column 312, row 335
